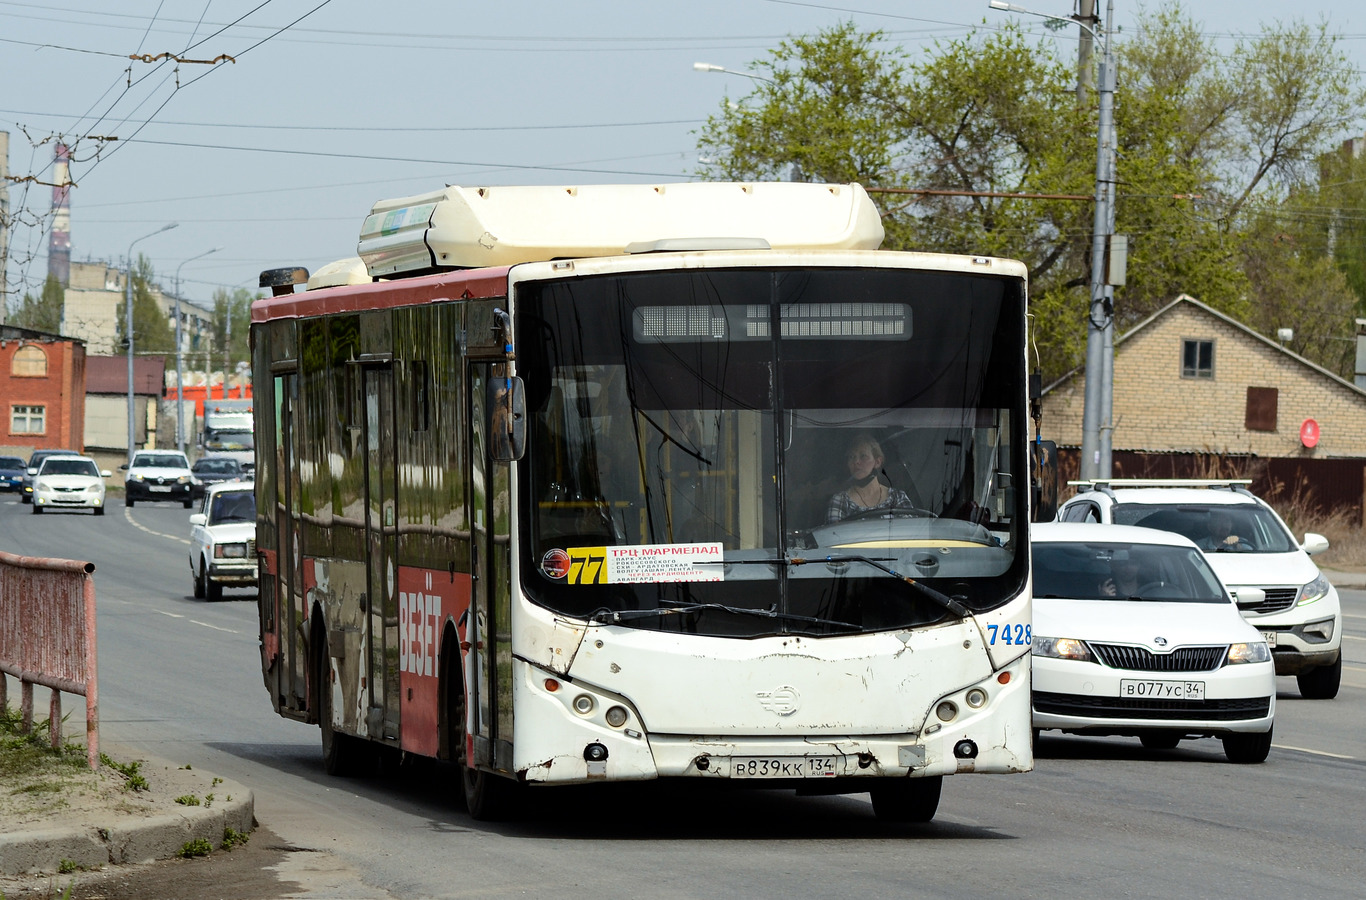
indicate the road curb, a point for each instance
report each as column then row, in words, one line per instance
column 128, row 840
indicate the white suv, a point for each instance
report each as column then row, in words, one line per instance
column 1278, row 588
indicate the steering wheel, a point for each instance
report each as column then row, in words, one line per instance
column 1144, row 589
column 894, row 512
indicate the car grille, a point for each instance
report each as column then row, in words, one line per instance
column 1183, row 659
column 1092, row 707
column 1277, row 599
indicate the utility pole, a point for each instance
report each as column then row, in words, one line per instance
column 1095, row 424
column 1086, row 81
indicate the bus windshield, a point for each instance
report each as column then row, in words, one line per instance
column 743, row 453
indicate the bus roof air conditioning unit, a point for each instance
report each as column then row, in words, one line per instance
column 462, row 227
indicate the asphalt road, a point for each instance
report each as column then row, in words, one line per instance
column 180, row 680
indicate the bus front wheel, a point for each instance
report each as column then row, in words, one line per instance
column 341, row 752
column 907, row 799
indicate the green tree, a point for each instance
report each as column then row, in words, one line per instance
column 1207, row 143
column 231, row 326
column 44, row 312
column 153, row 332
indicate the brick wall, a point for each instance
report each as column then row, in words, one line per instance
column 61, row 392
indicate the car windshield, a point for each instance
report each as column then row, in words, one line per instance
column 217, row 467
column 160, row 461
column 235, row 506
column 1215, row 527
column 70, row 467
column 11, row 462
column 1123, row 571
column 229, row 440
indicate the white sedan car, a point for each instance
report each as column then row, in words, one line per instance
column 69, row 482
column 223, row 540
column 1135, row 635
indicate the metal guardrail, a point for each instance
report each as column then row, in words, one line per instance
column 47, row 637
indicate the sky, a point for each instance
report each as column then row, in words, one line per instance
column 287, row 119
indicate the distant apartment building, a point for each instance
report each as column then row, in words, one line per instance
column 93, row 297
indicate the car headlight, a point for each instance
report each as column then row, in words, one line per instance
column 134, row 477
column 1062, row 648
column 183, row 479
column 1254, row 652
column 1314, row 590
column 230, row 551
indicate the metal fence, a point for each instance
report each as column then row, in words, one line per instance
column 47, row 637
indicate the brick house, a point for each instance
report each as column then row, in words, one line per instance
column 42, row 391
column 1197, row 393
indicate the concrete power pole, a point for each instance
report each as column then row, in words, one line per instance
column 4, row 226
column 1086, row 79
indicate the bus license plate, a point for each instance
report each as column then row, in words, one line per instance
column 1162, row 690
column 782, row 766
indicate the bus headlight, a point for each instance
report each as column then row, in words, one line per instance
column 947, row 710
column 583, row 704
column 616, row 716
column 976, row 698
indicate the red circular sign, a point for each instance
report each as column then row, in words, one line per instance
column 555, row 564
column 1309, row 433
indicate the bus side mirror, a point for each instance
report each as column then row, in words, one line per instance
column 507, row 420
column 1043, row 469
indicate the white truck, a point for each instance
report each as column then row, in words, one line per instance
column 229, row 431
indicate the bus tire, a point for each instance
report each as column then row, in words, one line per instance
column 907, row 799
column 341, row 752
column 487, row 797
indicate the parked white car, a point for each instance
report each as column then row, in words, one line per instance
column 1134, row 634
column 69, row 482
column 1277, row 586
column 223, row 540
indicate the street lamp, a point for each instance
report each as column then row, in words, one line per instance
column 709, row 67
column 796, row 173
column 1097, row 409
column 180, row 357
column 128, row 332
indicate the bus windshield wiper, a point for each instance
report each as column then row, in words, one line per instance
column 939, row 598
column 613, row 617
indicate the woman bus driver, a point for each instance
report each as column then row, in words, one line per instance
column 865, row 490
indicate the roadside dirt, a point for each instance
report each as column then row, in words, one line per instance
column 248, row 872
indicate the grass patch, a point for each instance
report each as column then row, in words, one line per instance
column 187, row 800
column 233, row 838
column 196, row 847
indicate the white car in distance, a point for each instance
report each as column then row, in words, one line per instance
column 223, row 540
column 1134, row 635
column 69, row 482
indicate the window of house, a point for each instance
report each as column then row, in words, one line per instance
column 28, row 419
column 1261, row 409
column 1197, row 359
column 29, row 361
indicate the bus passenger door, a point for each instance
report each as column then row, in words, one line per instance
column 285, row 612
column 488, row 665
column 381, row 535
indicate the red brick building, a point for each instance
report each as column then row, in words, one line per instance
column 42, row 391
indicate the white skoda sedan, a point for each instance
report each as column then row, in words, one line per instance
column 1135, row 635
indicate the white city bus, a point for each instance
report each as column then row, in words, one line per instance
column 553, row 484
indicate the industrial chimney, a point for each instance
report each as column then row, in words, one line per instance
column 59, row 244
